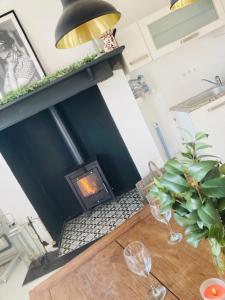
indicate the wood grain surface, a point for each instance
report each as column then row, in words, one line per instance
column 101, row 273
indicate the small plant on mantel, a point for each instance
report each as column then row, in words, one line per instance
column 23, row 90
column 193, row 185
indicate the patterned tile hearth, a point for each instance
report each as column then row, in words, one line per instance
column 101, row 220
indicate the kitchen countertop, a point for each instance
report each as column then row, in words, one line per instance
column 198, row 101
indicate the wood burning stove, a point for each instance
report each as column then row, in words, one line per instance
column 89, row 185
column 87, row 181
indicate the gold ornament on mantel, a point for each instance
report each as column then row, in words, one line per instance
column 178, row 4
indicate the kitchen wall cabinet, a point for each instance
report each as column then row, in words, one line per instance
column 223, row 2
column 209, row 119
column 136, row 53
column 165, row 31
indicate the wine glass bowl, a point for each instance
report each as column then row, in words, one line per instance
column 155, row 211
column 174, row 237
column 138, row 260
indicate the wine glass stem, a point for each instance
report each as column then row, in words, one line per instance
column 170, row 228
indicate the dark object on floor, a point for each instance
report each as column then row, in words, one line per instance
column 50, row 262
column 43, row 243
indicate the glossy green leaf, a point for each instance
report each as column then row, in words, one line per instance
column 215, row 246
column 199, row 170
column 174, row 183
column 209, row 215
column 183, row 204
column 201, row 146
column 164, row 208
column 157, row 182
column 166, row 202
column 221, row 205
column 201, row 135
column 165, row 198
column 187, row 155
column 200, row 224
column 193, row 203
column 188, row 220
column 190, row 148
column 174, row 167
column 154, row 192
column 214, row 188
column 175, row 179
column 214, row 173
column 216, row 232
column 191, row 228
column 181, row 211
column 193, row 242
column 207, row 156
column 194, row 238
column 222, row 169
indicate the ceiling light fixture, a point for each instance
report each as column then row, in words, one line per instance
column 84, row 20
column 178, row 4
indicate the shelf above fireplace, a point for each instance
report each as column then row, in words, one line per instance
column 62, row 89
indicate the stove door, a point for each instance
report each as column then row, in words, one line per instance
column 91, row 188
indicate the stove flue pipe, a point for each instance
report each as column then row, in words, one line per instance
column 73, row 149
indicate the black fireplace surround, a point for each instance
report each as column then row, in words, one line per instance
column 53, row 165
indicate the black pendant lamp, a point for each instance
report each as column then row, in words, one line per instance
column 84, row 20
column 178, row 4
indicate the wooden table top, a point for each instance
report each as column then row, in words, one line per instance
column 100, row 272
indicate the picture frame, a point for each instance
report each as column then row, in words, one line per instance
column 19, row 64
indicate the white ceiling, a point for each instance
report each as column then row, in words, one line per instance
column 133, row 10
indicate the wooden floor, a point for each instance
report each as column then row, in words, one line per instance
column 101, row 273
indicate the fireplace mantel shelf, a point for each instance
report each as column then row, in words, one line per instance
column 63, row 88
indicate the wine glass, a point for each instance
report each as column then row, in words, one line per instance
column 174, row 237
column 139, row 261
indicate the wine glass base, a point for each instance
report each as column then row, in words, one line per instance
column 175, row 238
column 157, row 293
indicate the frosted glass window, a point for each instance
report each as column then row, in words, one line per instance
column 182, row 22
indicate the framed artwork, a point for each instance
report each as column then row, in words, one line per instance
column 19, row 65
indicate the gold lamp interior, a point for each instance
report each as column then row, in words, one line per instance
column 182, row 3
column 88, row 31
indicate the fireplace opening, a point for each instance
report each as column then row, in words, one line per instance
column 88, row 182
column 45, row 156
column 89, row 185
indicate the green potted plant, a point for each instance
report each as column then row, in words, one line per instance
column 193, row 186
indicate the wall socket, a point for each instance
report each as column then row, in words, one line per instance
column 189, row 72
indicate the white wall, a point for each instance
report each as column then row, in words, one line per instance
column 39, row 19
column 132, row 10
column 14, row 202
column 130, row 123
column 177, row 77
